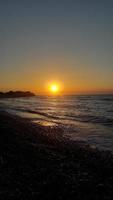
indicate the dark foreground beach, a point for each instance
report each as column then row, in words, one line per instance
column 37, row 163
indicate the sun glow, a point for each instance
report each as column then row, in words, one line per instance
column 54, row 88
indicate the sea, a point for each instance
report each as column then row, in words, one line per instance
column 86, row 118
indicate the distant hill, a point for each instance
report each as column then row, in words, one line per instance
column 14, row 94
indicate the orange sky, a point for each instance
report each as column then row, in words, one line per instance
column 73, row 76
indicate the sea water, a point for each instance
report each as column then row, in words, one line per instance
column 86, row 118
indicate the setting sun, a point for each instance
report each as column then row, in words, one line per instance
column 54, row 88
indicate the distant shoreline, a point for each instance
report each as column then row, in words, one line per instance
column 15, row 94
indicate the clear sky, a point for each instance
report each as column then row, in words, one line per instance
column 69, row 42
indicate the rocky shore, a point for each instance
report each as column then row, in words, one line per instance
column 37, row 163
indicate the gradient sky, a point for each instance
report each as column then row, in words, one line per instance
column 69, row 42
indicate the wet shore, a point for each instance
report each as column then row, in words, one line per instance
column 37, row 163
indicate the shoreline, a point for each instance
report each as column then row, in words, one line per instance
column 36, row 161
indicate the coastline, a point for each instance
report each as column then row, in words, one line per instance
column 36, row 162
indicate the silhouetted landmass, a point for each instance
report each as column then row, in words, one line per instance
column 36, row 163
column 14, row 94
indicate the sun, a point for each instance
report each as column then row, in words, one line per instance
column 54, row 88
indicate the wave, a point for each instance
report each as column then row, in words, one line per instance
column 92, row 119
column 96, row 109
column 107, row 99
column 79, row 118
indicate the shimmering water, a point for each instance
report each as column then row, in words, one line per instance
column 87, row 118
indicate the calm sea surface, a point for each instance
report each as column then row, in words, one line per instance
column 86, row 118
